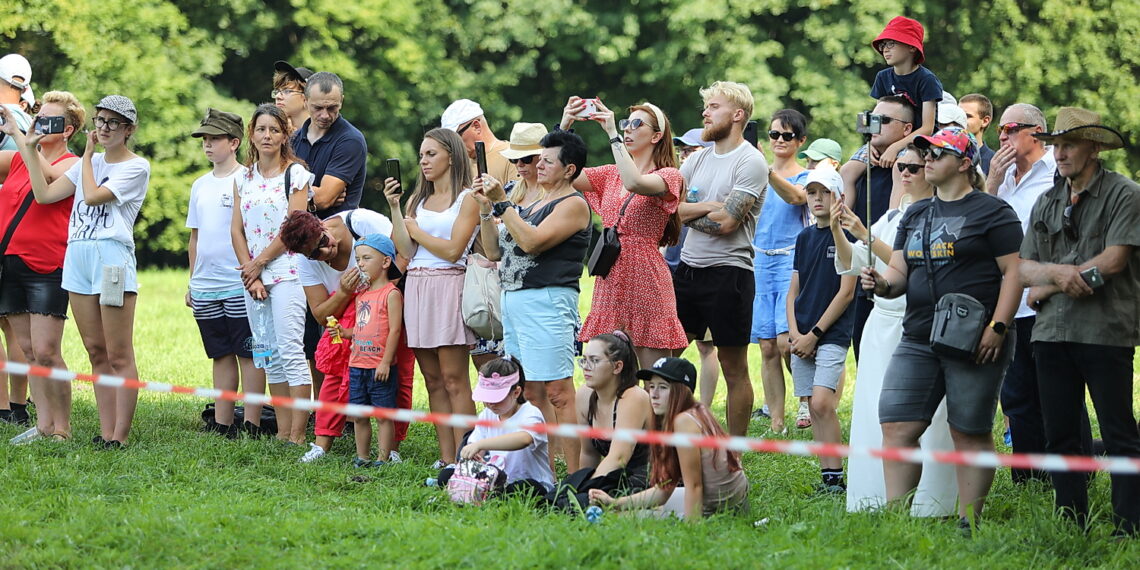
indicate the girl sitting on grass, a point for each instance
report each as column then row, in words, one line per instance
column 713, row 479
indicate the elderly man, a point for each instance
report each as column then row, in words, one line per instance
column 1083, row 270
column 467, row 119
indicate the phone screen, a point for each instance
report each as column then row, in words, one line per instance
column 393, row 167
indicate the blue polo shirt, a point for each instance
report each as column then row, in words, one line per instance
column 342, row 153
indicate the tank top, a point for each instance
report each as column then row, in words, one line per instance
column 559, row 266
column 640, row 457
column 438, row 224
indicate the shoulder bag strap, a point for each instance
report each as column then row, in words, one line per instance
column 621, row 213
column 27, row 203
column 926, row 251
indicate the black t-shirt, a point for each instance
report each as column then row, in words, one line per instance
column 916, row 87
column 819, row 283
column 967, row 237
column 881, row 184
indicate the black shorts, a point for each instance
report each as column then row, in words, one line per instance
column 224, row 327
column 313, row 332
column 717, row 300
column 22, row 290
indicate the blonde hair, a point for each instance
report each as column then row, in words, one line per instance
column 737, row 93
column 73, row 112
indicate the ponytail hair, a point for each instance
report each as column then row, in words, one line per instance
column 619, row 348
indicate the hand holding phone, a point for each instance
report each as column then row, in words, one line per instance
column 590, row 108
column 392, row 165
column 1093, row 278
column 481, row 157
column 49, row 125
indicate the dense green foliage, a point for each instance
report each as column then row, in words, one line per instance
column 402, row 62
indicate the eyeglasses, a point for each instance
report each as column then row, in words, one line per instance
column 323, row 243
column 632, row 124
column 109, row 124
column 887, row 119
column 464, row 128
column 937, row 152
column 590, row 363
column 524, row 160
column 888, row 44
column 284, row 92
column 787, row 136
column 1009, row 129
column 913, row 168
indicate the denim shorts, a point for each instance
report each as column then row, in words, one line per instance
column 84, row 261
column 365, row 390
column 22, row 290
column 540, row 330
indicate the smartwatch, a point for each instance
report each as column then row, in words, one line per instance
column 616, row 140
column 818, row 332
column 999, row 327
column 500, row 208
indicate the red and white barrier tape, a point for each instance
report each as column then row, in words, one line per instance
column 1127, row 465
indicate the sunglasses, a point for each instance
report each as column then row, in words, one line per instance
column 1068, row 225
column 323, row 243
column 464, row 128
column 787, row 136
column 913, row 168
column 1011, row 128
column 887, row 119
column 524, row 160
column 631, row 124
column 937, row 152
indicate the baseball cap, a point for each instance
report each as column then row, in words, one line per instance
column 952, row 138
column 494, row 388
column 692, row 137
column 459, row 112
column 219, row 123
column 384, row 245
column 301, row 73
column 951, row 114
column 29, row 97
column 15, row 65
column 820, row 149
column 826, row 176
column 672, row 369
column 120, row 105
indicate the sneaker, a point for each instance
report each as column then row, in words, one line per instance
column 394, row 457
column 1008, row 438
column 251, row 430
column 762, row 413
column 965, row 529
column 20, row 415
column 98, row 441
column 314, row 453
column 232, row 431
column 28, row 436
column 360, row 462
column 803, row 417
column 439, row 464
column 825, row 489
column 378, row 464
column 6, row 416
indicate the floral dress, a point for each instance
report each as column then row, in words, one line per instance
column 264, row 207
column 637, row 296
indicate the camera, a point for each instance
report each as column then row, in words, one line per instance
column 49, row 125
column 868, row 123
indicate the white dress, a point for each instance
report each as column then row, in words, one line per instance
column 937, row 491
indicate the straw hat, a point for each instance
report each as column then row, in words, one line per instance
column 1074, row 123
column 525, row 139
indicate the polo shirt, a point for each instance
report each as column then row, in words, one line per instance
column 1108, row 214
column 341, row 152
column 1023, row 195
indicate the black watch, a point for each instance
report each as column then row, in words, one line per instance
column 500, row 208
column 818, row 332
column 616, row 140
column 999, row 327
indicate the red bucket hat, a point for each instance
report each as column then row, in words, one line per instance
column 903, row 30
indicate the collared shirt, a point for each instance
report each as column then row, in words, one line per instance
column 1108, row 214
column 341, row 152
column 1023, row 195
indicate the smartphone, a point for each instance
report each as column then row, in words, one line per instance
column 1093, row 278
column 591, row 108
column 751, row 133
column 481, row 157
column 393, row 167
column 49, row 125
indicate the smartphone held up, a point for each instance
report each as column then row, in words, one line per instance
column 392, row 165
column 49, row 125
column 481, row 157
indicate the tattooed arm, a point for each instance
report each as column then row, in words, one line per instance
column 725, row 220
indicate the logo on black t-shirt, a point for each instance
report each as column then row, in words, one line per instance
column 943, row 237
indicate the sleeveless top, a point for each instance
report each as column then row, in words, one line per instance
column 640, row 457
column 559, row 266
column 439, row 224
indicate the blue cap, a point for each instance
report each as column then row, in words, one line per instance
column 384, row 245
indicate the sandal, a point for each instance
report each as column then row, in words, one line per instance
column 803, row 417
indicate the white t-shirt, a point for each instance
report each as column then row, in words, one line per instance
column 264, row 207
column 439, row 224
column 211, row 213
column 364, row 222
column 715, row 176
column 128, row 181
column 531, row 462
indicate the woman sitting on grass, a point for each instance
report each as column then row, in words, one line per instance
column 713, row 479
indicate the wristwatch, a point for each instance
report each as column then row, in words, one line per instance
column 818, row 332
column 616, row 140
column 999, row 327
column 499, row 208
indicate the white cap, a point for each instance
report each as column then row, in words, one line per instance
column 29, row 97
column 826, row 176
column 951, row 114
column 459, row 112
column 14, row 65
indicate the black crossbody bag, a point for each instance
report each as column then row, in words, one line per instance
column 27, row 203
column 608, row 248
column 959, row 319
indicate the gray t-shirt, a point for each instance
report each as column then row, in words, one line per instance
column 714, row 176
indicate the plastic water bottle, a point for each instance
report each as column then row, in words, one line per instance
column 594, row 514
column 261, row 350
column 694, row 195
column 334, row 330
column 431, row 482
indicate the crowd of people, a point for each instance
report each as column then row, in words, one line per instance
column 962, row 277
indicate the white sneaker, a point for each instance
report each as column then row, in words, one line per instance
column 394, row 457
column 28, row 436
column 314, row 453
column 439, row 464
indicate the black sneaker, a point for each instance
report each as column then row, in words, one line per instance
column 6, row 416
column 251, row 430
column 965, row 528
column 232, row 431
column 20, row 415
column 98, row 441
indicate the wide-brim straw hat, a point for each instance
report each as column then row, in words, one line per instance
column 525, row 139
column 1074, row 123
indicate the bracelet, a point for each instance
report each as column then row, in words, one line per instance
column 486, row 217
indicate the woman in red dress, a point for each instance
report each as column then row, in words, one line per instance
column 637, row 295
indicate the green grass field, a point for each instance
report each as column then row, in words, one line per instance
column 180, row 498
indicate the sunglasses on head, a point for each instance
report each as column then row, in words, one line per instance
column 524, row 160
column 323, row 243
column 937, row 152
column 1011, row 128
column 786, row 135
column 631, row 124
column 913, row 168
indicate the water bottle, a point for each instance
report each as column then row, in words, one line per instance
column 694, row 195
column 594, row 513
column 431, row 482
column 261, row 349
column 334, row 330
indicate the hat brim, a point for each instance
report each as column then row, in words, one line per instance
column 812, row 154
column 300, row 73
column 512, row 153
column 489, row 396
column 1107, row 137
column 209, row 130
column 890, row 35
column 823, row 187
